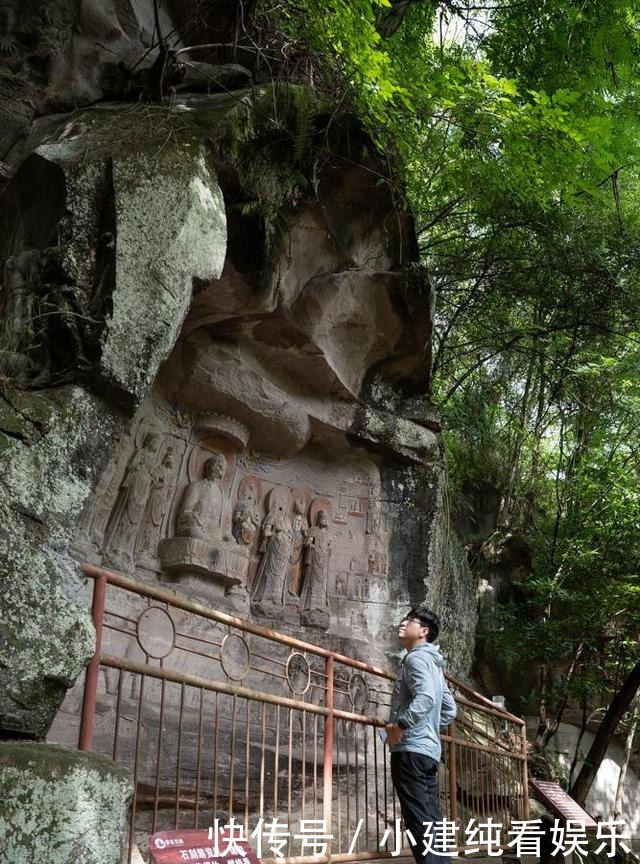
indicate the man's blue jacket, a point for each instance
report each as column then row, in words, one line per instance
column 421, row 701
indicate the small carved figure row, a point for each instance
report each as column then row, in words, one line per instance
column 359, row 586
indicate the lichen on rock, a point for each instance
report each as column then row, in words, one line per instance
column 47, row 475
column 171, row 228
column 60, row 806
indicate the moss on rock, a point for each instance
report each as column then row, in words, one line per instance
column 60, row 806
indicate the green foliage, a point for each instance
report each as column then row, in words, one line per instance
column 536, row 369
column 545, row 766
column 273, row 144
column 531, row 101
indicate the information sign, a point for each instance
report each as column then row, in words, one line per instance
column 200, row 844
column 553, row 796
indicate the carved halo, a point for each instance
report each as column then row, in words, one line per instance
column 146, row 428
column 250, row 480
column 279, row 496
column 199, row 455
column 153, row 422
column 320, row 504
column 301, row 492
column 170, row 443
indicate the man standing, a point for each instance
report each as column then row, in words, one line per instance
column 421, row 705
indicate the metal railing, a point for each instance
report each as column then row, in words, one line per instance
column 218, row 717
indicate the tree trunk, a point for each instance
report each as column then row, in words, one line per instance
column 547, row 728
column 576, row 752
column 619, row 704
column 628, row 746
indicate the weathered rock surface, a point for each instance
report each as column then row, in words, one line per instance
column 170, row 229
column 99, row 264
column 48, row 452
column 59, row 805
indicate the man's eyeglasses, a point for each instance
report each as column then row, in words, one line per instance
column 413, row 617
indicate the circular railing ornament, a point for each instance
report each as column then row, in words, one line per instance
column 235, row 656
column 156, row 632
column 298, row 673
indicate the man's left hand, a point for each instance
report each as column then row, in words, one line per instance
column 394, row 733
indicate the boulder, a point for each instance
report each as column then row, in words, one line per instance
column 60, row 806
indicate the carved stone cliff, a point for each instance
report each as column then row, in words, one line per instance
column 214, row 353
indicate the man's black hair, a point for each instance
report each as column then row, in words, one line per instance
column 429, row 619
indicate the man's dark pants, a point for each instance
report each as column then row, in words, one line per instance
column 415, row 778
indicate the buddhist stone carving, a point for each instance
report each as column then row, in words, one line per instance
column 299, row 530
column 277, row 546
column 313, row 601
column 361, row 588
column 130, row 505
column 201, row 508
column 246, row 514
column 203, row 549
column 161, row 490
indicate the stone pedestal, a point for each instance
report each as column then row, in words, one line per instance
column 217, row 571
column 318, row 619
column 225, row 564
column 60, row 805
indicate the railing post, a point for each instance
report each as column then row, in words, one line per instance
column 93, row 669
column 327, row 796
column 525, row 774
column 453, row 773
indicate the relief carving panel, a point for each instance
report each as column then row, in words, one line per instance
column 298, row 542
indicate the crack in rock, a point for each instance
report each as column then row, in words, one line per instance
column 38, row 426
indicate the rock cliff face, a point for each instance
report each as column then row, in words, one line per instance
column 214, row 353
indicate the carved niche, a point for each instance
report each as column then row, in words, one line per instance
column 163, row 507
column 203, row 547
column 185, row 501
